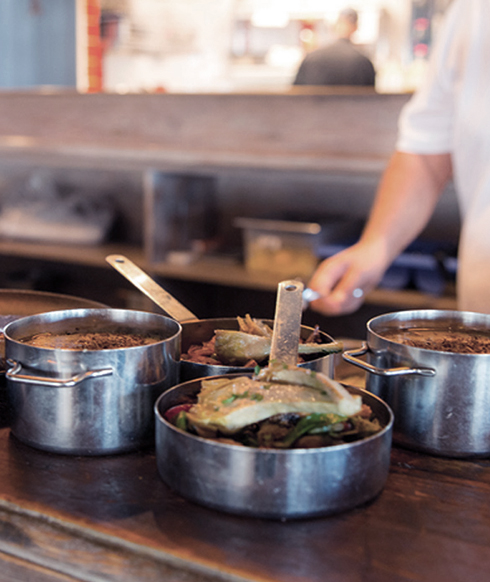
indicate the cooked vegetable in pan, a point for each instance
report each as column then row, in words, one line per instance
column 251, row 345
column 279, row 407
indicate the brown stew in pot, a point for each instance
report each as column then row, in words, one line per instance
column 91, row 340
column 458, row 340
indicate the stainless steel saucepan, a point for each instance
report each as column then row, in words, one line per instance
column 195, row 331
column 17, row 303
column 272, row 483
column 92, row 401
column 440, row 399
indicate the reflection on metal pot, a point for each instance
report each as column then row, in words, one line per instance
column 440, row 399
column 89, row 402
column 276, row 484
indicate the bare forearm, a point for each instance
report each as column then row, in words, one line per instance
column 405, row 201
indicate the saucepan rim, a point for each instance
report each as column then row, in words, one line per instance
column 70, row 315
column 159, row 416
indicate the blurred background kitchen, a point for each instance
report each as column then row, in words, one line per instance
column 171, row 132
column 236, row 45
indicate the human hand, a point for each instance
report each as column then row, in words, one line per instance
column 344, row 279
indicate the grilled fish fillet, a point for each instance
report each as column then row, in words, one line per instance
column 228, row 405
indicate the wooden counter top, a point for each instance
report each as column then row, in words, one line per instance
column 68, row 518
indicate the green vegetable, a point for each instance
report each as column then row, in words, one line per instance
column 181, row 420
column 312, row 423
column 234, row 397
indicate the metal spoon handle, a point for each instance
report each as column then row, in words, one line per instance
column 150, row 288
column 287, row 322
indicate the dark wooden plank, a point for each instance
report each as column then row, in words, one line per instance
column 14, row 570
column 114, row 518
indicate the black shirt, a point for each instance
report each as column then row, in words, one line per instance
column 339, row 63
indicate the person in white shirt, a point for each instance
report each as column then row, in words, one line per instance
column 444, row 134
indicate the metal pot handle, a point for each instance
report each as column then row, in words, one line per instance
column 350, row 356
column 14, row 373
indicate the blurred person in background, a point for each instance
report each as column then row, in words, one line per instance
column 339, row 63
column 444, row 134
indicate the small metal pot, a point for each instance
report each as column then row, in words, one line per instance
column 201, row 330
column 17, row 303
column 440, row 399
column 271, row 483
column 89, row 402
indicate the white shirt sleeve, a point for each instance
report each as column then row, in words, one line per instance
column 426, row 122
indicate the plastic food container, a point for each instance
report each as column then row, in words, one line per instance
column 286, row 248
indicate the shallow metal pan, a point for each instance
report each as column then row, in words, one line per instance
column 15, row 303
column 267, row 483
